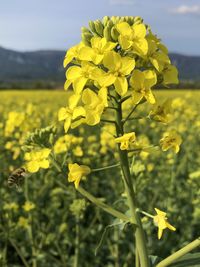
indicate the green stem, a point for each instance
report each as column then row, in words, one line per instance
column 175, row 256
column 103, row 206
column 105, row 168
column 139, row 233
column 77, row 244
column 19, row 252
column 30, row 232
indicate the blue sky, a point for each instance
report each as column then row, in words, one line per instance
column 50, row 24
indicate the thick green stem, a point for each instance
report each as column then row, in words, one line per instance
column 175, row 256
column 139, row 233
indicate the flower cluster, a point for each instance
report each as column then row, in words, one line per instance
column 118, row 55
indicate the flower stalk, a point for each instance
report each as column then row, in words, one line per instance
column 139, row 232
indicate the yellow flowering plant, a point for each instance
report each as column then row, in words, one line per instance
column 110, row 75
column 119, row 62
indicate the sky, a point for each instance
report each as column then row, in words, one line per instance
column 27, row 25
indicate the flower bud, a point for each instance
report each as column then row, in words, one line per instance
column 107, row 33
column 99, row 27
column 92, row 26
column 114, row 34
column 105, row 20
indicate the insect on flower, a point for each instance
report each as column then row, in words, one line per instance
column 16, row 177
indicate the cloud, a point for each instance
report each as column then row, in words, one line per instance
column 121, row 2
column 195, row 9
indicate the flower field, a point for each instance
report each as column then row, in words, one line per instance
column 46, row 222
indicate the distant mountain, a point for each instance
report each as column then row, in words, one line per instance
column 30, row 66
column 188, row 66
column 47, row 66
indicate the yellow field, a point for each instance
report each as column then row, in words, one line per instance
column 56, row 217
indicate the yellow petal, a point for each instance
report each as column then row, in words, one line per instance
column 160, row 232
column 103, row 93
column 150, row 97
column 44, row 164
column 32, row 166
column 136, row 97
column 112, row 61
column 139, row 30
column 121, row 85
column 78, row 111
column 140, row 47
column 73, row 101
column 67, row 84
column 150, row 78
column 73, row 73
column 170, row 226
column 137, row 79
column 89, row 97
column 62, row 114
column 124, row 42
column 79, row 84
column 67, row 124
column 128, row 64
column 86, row 53
column 124, row 28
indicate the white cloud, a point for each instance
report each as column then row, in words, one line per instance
column 121, row 2
column 195, row 9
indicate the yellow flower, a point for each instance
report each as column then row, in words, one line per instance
column 28, row 206
column 71, row 112
column 78, row 76
column 141, row 83
column 133, row 37
column 11, row 206
column 95, row 53
column 170, row 75
column 72, row 53
column 37, row 159
column 126, row 141
column 77, row 151
column 76, row 172
column 118, row 67
column 23, row 222
column 161, row 222
column 94, row 105
column 157, row 57
column 163, row 112
column 172, row 140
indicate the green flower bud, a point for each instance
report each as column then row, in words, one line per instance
column 92, row 26
column 110, row 24
column 138, row 20
column 86, row 37
column 99, row 27
column 107, row 33
column 114, row 34
column 105, row 20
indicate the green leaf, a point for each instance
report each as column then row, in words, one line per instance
column 106, row 229
column 191, row 259
column 154, row 260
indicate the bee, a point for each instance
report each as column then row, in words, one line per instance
column 16, row 177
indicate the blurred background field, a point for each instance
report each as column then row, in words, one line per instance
column 48, row 232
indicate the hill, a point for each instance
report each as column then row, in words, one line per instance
column 45, row 68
